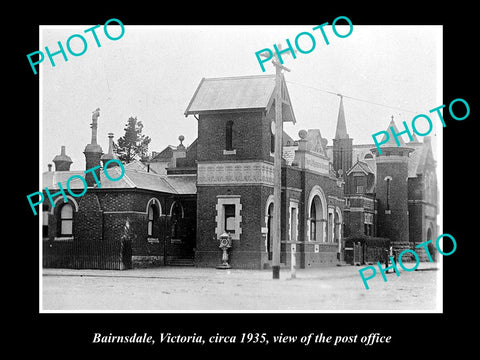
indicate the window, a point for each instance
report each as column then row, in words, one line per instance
column 338, row 226
column 228, row 217
column 151, row 219
column 272, row 143
column 331, row 226
column 359, row 184
column 368, row 224
column 388, row 193
column 293, row 223
column 269, row 230
column 229, row 136
column 66, row 220
column 317, row 215
column 368, row 156
column 45, row 209
column 229, row 211
column 313, row 222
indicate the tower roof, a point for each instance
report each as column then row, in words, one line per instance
column 341, row 132
column 392, row 143
column 237, row 94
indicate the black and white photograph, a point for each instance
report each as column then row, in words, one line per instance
column 254, row 185
column 186, row 219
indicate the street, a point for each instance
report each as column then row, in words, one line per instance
column 338, row 288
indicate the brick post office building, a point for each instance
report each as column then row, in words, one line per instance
column 171, row 208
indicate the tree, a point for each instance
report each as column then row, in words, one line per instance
column 133, row 145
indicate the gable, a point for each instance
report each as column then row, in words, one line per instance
column 315, row 142
column 238, row 93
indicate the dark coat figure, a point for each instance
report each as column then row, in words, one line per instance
column 126, row 245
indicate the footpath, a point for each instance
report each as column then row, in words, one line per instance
column 179, row 272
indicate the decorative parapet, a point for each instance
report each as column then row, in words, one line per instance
column 252, row 172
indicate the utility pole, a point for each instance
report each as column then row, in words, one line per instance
column 277, row 165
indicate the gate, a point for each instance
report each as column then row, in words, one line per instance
column 363, row 249
column 357, row 253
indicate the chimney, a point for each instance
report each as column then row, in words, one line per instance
column 110, row 155
column 299, row 159
column 180, row 152
column 62, row 161
column 93, row 152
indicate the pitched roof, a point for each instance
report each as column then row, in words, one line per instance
column 183, row 184
column 135, row 165
column 150, row 181
column 361, row 166
column 238, row 93
column 422, row 155
column 165, row 154
column 51, row 179
column 133, row 178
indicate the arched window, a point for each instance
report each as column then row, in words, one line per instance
column 313, row 221
column 337, row 237
column 270, row 230
column 317, row 215
column 152, row 215
column 368, row 156
column 66, row 220
column 272, row 143
column 229, row 135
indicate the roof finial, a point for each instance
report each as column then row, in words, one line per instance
column 181, row 146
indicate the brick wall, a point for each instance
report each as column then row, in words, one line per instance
column 394, row 225
column 245, row 253
column 250, row 134
column 88, row 223
column 354, row 223
column 102, row 214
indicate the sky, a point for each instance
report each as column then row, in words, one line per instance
column 152, row 72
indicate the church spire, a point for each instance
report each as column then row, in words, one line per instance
column 341, row 132
column 342, row 144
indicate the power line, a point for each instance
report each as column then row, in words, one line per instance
column 351, row 97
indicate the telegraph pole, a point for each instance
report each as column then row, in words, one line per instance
column 277, row 166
